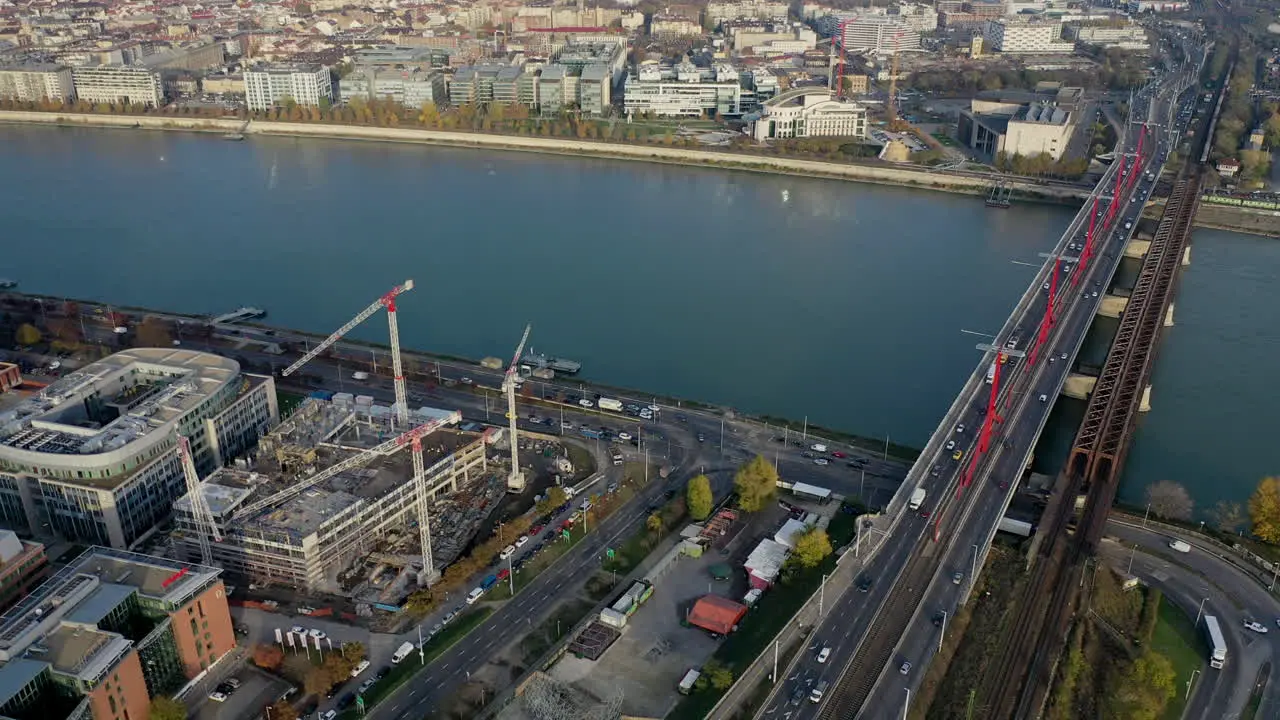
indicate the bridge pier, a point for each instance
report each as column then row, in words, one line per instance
column 1080, row 386
column 1137, row 249
column 1113, row 306
column 1186, row 257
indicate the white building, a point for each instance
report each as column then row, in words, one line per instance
column 269, row 86
column 1027, row 130
column 718, row 12
column 1142, row 6
column 118, row 83
column 1026, row 37
column 411, row 88
column 683, row 91
column 922, row 18
column 1128, row 37
column 33, row 83
column 880, row 35
column 809, row 112
column 93, row 457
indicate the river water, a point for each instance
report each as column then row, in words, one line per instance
column 839, row 302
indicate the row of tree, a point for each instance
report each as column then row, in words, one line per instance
column 1170, row 500
column 1042, row 164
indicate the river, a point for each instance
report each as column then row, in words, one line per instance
column 840, row 302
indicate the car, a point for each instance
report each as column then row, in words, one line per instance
column 586, row 403
column 1255, row 626
column 1095, row 293
column 1044, row 398
column 435, row 630
column 522, row 541
column 925, row 514
column 345, row 701
column 624, row 436
column 905, row 668
column 361, row 667
column 823, row 654
column 566, row 425
column 702, row 438
column 1046, row 286
column 934, row 472
column 957, row 455
column 382, row 672
column 1063, row 356
column 364, row 686
column 466, row 381
column 652, row 409
column 507, row 552
column 837, row 454
column 864, row 583
column 939, row 618
column 951, row 444
column 798, row 695
column 233, row 683
column 537, row 529
column 317, row 634
column 820, row 461
column 298, row 630
column 329, row 715
column 957, row 577
column 960, row 428
column 448, row 618
column 217, row 696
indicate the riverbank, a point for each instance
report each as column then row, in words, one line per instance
column 967, row 184
column 1238, row 219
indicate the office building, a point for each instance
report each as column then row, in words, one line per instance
column 411, row 88
column 36, row 83
column 118, row 84
column 684, row 91
column 807, row 113
column 270, row 86
column 473, row 84
column 109, row 632
column 1025, row 37
column 879, row 35
column 1128, row 37
column 312, row 539
column 93, row 456
column 719, row 12
column 1028, row 130
column 22, row 565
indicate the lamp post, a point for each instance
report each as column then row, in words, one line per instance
column 1199, row 612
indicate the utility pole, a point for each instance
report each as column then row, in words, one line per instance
column 1144, row 516
column 1134, row 554
column 775, row 662
column 944, row 630
column 1199, row 612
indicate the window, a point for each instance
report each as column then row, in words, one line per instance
column 111, row 700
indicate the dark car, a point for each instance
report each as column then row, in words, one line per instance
column 382, row 672
column 864, row 583
column 938, row 618
column 346, row 700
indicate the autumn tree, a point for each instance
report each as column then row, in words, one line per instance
column 27, row 334
column 554, row 499
column 154, row 332
column 811, row 547
column 317, row 681
column 1227, row 516
column 1142, row 690
column 1169, row 500
column 1264, row 509
column 354, row 652
column 166, row 708
column 718, row 674
column 282, row 710
column 653, row 523
column 699, row 498
column 268, row 656
column 756, row 484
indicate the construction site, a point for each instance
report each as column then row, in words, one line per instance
column 328, row 504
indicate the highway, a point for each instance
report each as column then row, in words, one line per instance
column 1204, row 574
column 912, row 577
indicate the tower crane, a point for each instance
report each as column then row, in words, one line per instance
column 389, row 302
column 387, row 448
column 414, row 439
column 515, row 481
column 205, row 526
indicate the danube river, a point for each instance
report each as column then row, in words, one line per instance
column 779, row 295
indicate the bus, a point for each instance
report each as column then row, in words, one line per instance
column 1218, row 649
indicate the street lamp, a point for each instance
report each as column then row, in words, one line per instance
column 1199, row 612
column 1190, row 680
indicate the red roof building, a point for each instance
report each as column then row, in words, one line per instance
column 717, row 614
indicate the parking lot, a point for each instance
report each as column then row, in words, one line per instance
column 257, row 690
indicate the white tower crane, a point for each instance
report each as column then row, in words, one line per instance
column 515, row 481
column 414, row 439
column 389, row 302
column 206, row 528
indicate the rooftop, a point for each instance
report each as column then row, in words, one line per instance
column 110, row 403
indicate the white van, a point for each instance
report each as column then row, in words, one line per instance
column 474, row 595
column 818, row 447
column 1180, row 546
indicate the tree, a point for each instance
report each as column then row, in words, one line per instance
column 1170, row 500
column 354, row 652
column 268, row 656
column 653, row 523
column 1264, row 509
column 1142, row 690
column 154, row 332
column 1227, row 516
column 699, row 497
column 281, row 710
column 317, row 681
column 27, row 334
column 166, row 708
column 554, row 499
column 756, row 483
column 811, row 548
column 720, row 676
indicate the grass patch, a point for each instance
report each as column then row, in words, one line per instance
column 1176, row 639
column 433, row 648
column 773, row 611
column 288, row 402
column 536, row 643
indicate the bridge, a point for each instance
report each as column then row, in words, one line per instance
column 970, row 467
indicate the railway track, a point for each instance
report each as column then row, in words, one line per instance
column 1016, row 685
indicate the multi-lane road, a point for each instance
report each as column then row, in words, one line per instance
column 912, row 579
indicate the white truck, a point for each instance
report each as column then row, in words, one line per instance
column 401, row 653
column 917, row 498
column 610, row 404
column 1218, row 646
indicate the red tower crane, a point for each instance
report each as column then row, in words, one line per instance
column 389, row 302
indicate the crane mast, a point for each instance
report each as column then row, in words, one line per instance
column 414, row 438
column 206, row 528
column 389, row 302
column 515, row 481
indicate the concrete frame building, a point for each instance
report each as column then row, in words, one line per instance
column 94, row 455
column 308, row 540
column 809, row 112
column 1028, row 37
column 118, row 83
column 411, row 88
column 268, row 86
column 1128, row 37
column 34, row 83
column 108, row 633
column 880, row 34
column 684, row 91
column 1027, row 130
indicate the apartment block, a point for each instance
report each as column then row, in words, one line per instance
column 36, row 83
column 270, row 86
column 118, row 84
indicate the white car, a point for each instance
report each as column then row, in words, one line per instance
column 507, row 552
column 1255, row 626
column 951, row 444
column 329, row 715
column 653, row 409
column 823, row 654
column 586, row 403
column 566, row 425
column 298, row 630
column 317, row 634
column 820, row 461
column 522, row 541
column 960, row 428
column 217, row 696
column 355, row 671
column 624, row 436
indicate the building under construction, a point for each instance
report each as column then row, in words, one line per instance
column 273, row 524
